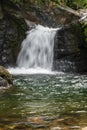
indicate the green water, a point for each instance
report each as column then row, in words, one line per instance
column 45, row 102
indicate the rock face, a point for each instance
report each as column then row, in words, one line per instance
column 70, row 55
column 5, row 78
column 12, row 30
column 10, row 40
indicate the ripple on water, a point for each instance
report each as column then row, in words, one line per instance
column 37, row 99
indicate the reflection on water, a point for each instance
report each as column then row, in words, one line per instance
column 45, row 102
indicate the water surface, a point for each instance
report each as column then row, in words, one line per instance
column 45, row 102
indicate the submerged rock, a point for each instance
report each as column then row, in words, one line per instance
column 85, row 128
column 4, row 83
column 5, row 78
column 56, row 128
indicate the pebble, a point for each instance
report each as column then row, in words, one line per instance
column 56, row 128
column 85, row 128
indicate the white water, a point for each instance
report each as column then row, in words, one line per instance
column 36, row 54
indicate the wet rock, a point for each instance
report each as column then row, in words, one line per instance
column 11, row 36
column 36, row 120
column 5, row 78
column 75, row 127
column 12, row 30
column 69, row 55
column 1, row 14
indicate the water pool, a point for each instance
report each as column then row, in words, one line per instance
column 45, row 102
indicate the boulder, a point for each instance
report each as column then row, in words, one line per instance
column 5, row 78
column 4, row 83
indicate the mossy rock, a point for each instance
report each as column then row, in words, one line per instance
column 5, row 75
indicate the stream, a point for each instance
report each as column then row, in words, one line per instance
column 45, row 102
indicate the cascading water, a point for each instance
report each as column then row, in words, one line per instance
column 37, row 49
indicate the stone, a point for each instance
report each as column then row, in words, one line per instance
column 56, row 128
column 4, row 83
column 85, row 128
column 5, row 78
column 5, row 74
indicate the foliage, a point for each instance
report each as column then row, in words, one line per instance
column 77, row 3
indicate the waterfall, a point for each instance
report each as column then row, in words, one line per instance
column 37, row 48
column 36, row 53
